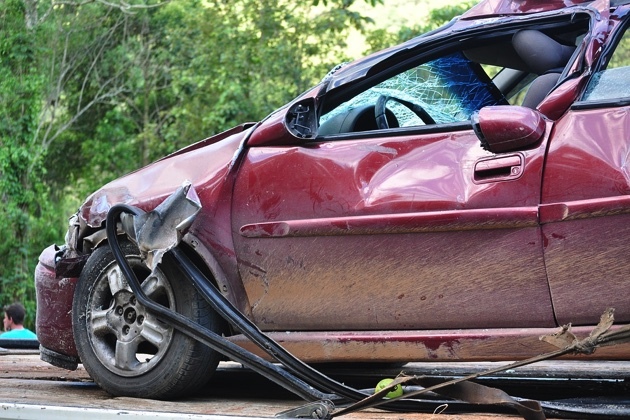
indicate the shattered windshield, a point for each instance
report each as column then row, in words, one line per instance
column 449, row 88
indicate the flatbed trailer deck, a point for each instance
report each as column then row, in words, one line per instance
column 30, row 388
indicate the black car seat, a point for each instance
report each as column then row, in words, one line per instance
column 543, row 56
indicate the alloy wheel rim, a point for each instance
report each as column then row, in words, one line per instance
column 126, row 338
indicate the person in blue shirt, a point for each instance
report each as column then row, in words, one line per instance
column 13, row 323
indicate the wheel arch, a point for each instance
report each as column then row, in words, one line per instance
column 206, row 261
column 201, row 256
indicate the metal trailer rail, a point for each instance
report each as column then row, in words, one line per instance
column 30, row 388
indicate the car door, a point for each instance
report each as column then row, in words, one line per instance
column 407, row 227
column 586, row 194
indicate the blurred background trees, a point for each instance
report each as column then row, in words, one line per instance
column 92, row 90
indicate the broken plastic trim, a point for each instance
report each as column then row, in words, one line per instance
column 161, row 229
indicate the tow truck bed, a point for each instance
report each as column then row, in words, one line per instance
column 30, row 387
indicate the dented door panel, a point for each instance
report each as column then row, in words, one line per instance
column 395, row 228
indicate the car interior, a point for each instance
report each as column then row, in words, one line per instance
column 513, row 67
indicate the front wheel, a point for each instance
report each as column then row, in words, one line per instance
column 124, row 347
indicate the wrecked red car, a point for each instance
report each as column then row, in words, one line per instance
column 451, row 198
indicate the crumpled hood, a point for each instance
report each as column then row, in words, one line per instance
column 204, row 164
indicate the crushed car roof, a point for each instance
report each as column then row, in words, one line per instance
column 510, row 7
column 485, row 9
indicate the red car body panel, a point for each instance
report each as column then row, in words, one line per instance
column 208, row 168
column 423, row 345
column 403, row 192
column 587, row 186
column 493, row 244
column 205, row 166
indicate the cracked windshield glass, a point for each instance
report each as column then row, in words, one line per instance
column 448, row 88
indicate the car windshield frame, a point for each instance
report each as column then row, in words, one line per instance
column 441, row 45
column 450, row 88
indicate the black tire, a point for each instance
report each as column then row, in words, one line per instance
column 125, row 349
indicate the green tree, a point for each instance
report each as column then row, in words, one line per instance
column 92, row 90
column 250, row 57
column 23, row 195
column 184, row 71
column 382, row 38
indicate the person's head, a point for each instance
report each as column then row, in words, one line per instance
column 13, row 316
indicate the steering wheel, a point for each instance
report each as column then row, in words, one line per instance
column 381, row 118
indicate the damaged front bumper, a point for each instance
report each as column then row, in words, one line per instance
column 56, row 276
column 59, row 268
column 54, row 312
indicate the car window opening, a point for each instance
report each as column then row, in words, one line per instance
column 519, row 68
column 610, row 82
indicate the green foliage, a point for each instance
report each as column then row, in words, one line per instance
column 91, row 92
column 345, row 3
column 23, row 195
column 383, row 38
column 621, row 55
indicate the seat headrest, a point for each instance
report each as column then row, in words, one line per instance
column 540, row 52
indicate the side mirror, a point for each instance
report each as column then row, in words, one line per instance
column 287, row 126
column 301, row 119
column 504, row 128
